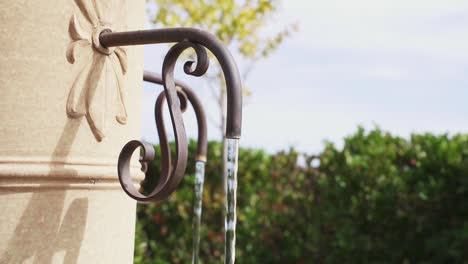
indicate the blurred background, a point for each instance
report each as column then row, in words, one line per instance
column 354, row 146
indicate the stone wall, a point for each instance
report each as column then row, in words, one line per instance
column 66, row 111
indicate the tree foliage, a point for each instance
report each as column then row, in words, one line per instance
column 241, row 25
column 236, row 23
column 379, row 199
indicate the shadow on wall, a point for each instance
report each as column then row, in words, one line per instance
column 41, row 232
column 40, row 235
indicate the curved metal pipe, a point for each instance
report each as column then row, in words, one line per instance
column 185, row 38
column 208, row 40
column 202, row 137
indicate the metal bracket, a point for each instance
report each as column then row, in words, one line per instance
column 199, row 41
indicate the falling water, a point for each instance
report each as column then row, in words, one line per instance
column 197, row 208
column 232, row 152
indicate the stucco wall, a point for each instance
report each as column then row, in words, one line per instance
column 60, row 200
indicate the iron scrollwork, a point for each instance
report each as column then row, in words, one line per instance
column 173, row 172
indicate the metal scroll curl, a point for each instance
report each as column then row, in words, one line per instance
column 171, row 173
column 186, row 95
column 207, row 40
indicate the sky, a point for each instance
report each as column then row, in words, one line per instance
column 398, row 64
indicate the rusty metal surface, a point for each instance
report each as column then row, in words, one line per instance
column 173, row 172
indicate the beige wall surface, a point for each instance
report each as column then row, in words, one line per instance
column 60, row 200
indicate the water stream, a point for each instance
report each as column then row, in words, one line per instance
column 232, row 152
column 197, row 208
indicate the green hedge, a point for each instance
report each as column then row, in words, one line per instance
column 379, row 199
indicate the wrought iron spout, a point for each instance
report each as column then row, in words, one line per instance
column 184, row 38
column 175, row 35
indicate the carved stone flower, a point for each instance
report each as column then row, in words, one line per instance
column 98, row 87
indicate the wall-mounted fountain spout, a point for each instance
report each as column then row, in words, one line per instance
column 197, row 37
column 199, row 41
column 185, row 38
column 65, row 80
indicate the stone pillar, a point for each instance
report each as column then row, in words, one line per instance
column 66, row 110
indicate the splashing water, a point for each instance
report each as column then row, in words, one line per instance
column 230, row 167
column 197, row 208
